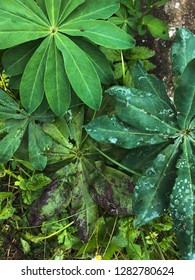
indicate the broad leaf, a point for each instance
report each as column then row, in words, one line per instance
column 53, row 10
column 182, row 203
column 33, row 78
column 151, row 193
column 80, row 71
column 57, row 86
column 182, row 51
column 102, row 33
column 143, row 110
column 113, row 131
column 67, row 7
column 184, row 97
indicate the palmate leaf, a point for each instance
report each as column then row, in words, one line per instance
column 182, row 202
column 151, row 193
column 15, row 123
column 25, row 20
column 184, row 97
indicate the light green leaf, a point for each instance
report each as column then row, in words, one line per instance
column 151, row 193
column 143, row 110
column 182, row 202
column 15, row 59
column 32, row 83
column 157, row 27
column 38, row 143
column 90, row 10
column 184, row 97
column 113, row 131
column 67, row 7
column 99, row 60
column 10, row 143
column 100, row 32
column 182, row 50
column 81, row 72
column 57, row 86
column 53, row 10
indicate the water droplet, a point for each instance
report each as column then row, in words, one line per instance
column 176, row 202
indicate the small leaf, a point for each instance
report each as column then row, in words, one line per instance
column 113, row 131
column 32, row 84
column 157, row 27
column 81, row 72
column 184, row 97
column 182, row 202
column 100, row 32
column 151, row 193
column 57, row 86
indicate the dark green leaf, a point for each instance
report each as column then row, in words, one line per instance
column 184, row 97
column 113, row 131
column 32, row 84
column 151, row 193
column 182, row 202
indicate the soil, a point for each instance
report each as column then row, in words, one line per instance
column 176, row 13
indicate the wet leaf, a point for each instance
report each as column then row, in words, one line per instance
column 151, row 193
column 182, row 202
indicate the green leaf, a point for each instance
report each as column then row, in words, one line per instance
column 38, row 143
column 90, row 10
column 81, row 72
column 151, row 193
column 57, row 86
column 101, row 64
column 15, row 59
column 143, row 110
column 11, row 142
column 112, row 190
column 184, row 97
column 149, row 83
column 7, row 212
column 157, row 27
column 76, row 124
column 100, row 32
column 182, row 202
column 182, row 51
column 32, row 83
column 67, row 7
column 83, row 208
column 53, row 10
column 113, row 131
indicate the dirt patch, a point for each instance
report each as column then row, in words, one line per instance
column 176, row 13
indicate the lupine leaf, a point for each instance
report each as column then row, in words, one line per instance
column 184, row 97
column 33, row 78
column 80, row 71
column 67, row 7
column 151, row 193
column 182, row 202
column 102, row 33
column 57, row 86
